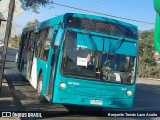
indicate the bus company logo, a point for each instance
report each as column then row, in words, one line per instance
column 81, row 46
column 6, row 114
column 15, row 114
column 73, row 83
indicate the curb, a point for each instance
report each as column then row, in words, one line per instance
column 149, row 79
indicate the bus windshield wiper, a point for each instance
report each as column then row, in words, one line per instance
column 101, row 60
column 92, row 43
column 95, row 52
column 117, row 46
column 69, row 29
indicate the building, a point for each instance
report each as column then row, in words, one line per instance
column 1, row 19
column 156, row 57
column 4, row 8
column 4, row 4
column 3, row 30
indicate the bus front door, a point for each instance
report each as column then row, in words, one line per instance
column 53, row 63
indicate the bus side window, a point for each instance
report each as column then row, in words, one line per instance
column 36, row 45
column 22, row 44
column 47, row 42
column 43, row 44
column 39, row 44
column 28, row 41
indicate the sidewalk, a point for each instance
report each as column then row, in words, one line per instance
column 6, row 100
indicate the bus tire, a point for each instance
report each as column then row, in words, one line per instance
column 39, row 88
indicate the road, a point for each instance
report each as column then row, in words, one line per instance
column 146, row 98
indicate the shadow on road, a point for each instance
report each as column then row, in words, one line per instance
column 6, row 99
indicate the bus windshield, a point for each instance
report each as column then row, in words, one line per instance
column 83, row 62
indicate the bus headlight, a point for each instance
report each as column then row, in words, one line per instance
column 129, row 93
column 62, row 85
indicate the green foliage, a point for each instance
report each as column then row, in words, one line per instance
column 35, row 4
column 147, row 65
column 14, row 42
column 32, row 22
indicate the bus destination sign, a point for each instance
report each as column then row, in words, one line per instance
column 101, row 26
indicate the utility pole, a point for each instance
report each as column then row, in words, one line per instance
column 6, row 39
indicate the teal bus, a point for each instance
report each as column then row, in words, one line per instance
column 81, row 59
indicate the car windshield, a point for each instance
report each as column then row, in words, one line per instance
column 82, row 61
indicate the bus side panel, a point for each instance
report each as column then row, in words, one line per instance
column 38, row 67
column 42, row 68
column 34, row 73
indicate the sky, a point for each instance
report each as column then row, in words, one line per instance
column 141, row 10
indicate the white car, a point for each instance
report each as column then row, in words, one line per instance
column 16, row 57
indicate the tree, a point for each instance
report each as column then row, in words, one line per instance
column 14, row 42
column 147, row 64
column 35, row 4
column 146, row 48
column 32, row 22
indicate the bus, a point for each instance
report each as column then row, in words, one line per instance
column 80, row 59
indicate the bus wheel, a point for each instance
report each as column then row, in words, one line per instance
column 39, row 88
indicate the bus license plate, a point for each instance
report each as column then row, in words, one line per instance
column 96, row 102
